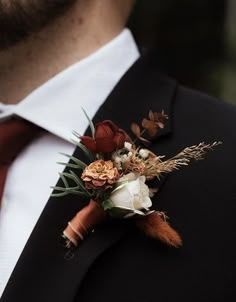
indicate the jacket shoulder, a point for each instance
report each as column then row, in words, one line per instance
column 206, row 104
column 204, row 114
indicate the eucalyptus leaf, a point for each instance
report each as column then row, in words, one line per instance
column 79, row 181
column 75, row 178
column 66, row 191
column 77, row 188
column 59, row 194
column 74, row 166
column 75, row 192
column 76, row 160
column 76, row 134
column 90, row 123
column 86, row 151
column 59, row 189
column 64, row 180
column 107, row 204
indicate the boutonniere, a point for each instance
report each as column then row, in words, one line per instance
column 117, row 180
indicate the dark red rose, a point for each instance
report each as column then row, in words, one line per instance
column 120, row 138
column 108, row 137
column 89, row 142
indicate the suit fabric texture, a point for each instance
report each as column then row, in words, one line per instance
column 118, row 263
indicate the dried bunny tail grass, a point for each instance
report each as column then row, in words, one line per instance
column 155, row 227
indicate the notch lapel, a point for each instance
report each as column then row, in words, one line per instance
column 42, row 272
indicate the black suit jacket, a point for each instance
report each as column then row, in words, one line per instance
column 116, row 262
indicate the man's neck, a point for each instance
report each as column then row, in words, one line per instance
column 80, row 32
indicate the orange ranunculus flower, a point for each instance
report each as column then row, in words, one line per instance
column 108, row 137
column 100, row 175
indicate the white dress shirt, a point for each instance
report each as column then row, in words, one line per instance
column 56, row 107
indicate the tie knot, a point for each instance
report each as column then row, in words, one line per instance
column 15, row 134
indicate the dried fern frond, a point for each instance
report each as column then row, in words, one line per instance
column 155, row 166
column 196, row 152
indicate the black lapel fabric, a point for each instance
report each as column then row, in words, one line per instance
column 43, row 273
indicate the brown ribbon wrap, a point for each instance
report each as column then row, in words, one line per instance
column 83, row 223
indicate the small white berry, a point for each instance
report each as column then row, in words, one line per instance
column 143, row 153
column 128, row 146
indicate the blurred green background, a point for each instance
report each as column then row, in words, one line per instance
column 192, row 40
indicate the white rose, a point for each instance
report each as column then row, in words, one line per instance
column 132, row 195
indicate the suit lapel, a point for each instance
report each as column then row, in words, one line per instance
column 42, row 272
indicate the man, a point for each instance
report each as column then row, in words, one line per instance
column 56, row 57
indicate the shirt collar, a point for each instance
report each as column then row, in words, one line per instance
column 56, row 105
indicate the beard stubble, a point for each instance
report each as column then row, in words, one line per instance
column 21, row 18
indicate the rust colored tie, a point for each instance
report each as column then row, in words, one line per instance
column 15, row 135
